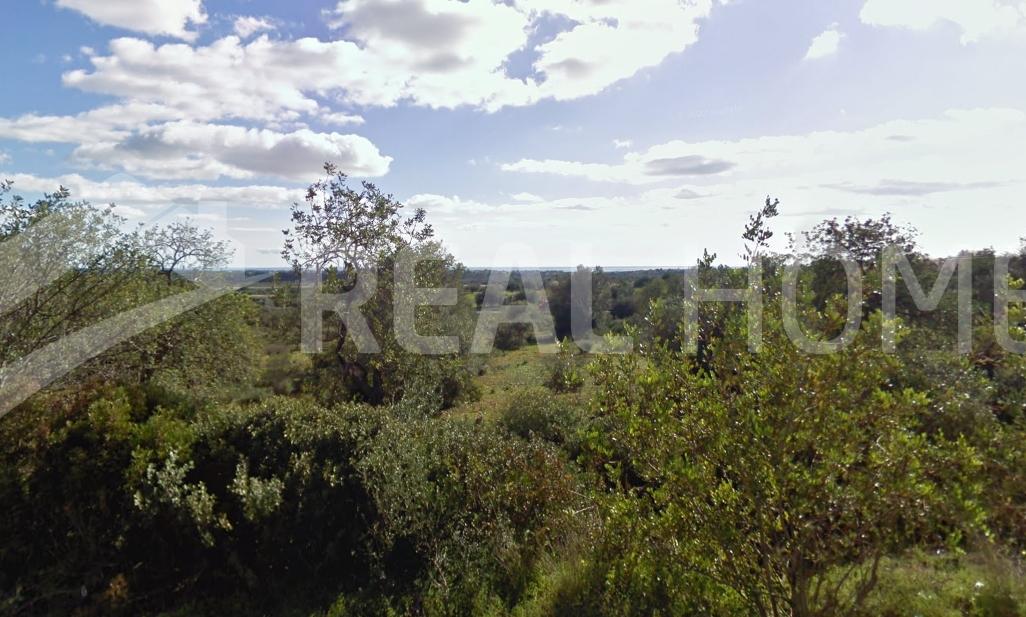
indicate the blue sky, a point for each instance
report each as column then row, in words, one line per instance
column 546, row 132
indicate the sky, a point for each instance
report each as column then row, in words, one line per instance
column 534, row 132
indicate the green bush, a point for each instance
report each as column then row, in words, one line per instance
column 464, row 510
column 536, row 413
column 566, row 376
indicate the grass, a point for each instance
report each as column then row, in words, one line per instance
column 504, row 373
column 982, row 584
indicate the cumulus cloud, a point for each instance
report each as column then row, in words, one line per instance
column 260, row 80
column 824, row 45
column 612, row 40
column 132, row 195
column 155, row 17
column 103, row 123
column 976, row 19
column 246, row 26
column 341, row 119
column 434, row 53
column 208, row 151
column 155, row 142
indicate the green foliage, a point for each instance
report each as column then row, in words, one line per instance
column 164, row 477
column 789, row 466
column 944, row 585
column 337, row 233
column 71, row 266
column 513, row 336
column 566, row 376
column 535, row 413
column 466, row 505
column 261, row 502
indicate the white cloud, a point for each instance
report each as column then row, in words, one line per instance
column 209, row 151
column 155, row 17
column 975, row 18
column 246, row 26
column 4, row 158
column 598, row 172
column 826, row 44
column 155, row 142
column 128, row 212
column 102, row 123
column 434, row 53
column 260, row 80
column 135, row 195
column 442, row 206
column 340, row 119
column 656, row 165
column 612, row 40
column 622, row 144
column 928, row 172
column 927, row 151
column 527, row 197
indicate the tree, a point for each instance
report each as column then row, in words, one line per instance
column 566, row 375
column 64, row 265
column 861, row 240
column 348, row 228
column 340, row 231
column 181, row 246
column 72, row 266
column 757, row 232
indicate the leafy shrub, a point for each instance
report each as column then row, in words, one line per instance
column 535, row 413
column 566, row 376
column 513, row 336
column 464, row 509
column 716, row 467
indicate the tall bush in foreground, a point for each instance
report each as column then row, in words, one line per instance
column 780, row 479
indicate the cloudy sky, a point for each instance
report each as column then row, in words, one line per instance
column 538, row 132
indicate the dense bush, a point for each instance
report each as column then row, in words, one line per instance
column 465, row 510
column 791, row 467
column 534, row 413
column 279, row 502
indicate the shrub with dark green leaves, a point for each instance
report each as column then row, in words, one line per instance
column 464, row 510
column 536, row 413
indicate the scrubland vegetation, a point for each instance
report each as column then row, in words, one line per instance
column 208, row 467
